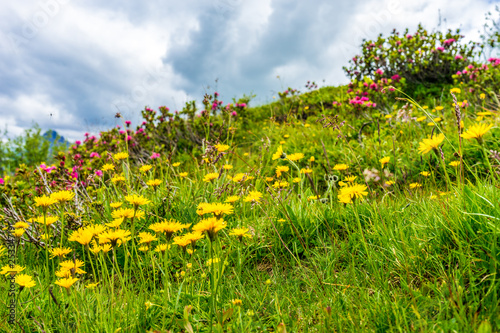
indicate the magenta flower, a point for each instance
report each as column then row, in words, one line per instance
column 2, row 181
column 128, row 122
column 155, row 155
column 441, row 49
column 379, row 71
column 78, row 143
column 234, row 114
column 94, row 154
column 98, row 173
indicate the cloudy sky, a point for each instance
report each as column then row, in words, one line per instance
column 70, row 65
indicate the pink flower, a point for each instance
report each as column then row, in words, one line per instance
column 128, row 122
column 78, row 143
column 459, row 73
column 441, row 49
column 122, row 132
column 98, row 173
column 155, row 155
column 458, row 57
column 234, row 114
column 129, row 138
column 94, row 154
column 379, row 71
column 2, row 181
column 449, row 41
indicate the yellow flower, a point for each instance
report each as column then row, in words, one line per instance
column 145, row 168
column 431, row 124
column 253, row 196
column 425, row 173
column 280, row 169
column 146, row 237
column 227, row 167
column 438, row 119
column 137, row 200
column 384, row 160
column 311, row 159
column 415, row 185
column 123, row 213
column 236, row 302
column 232, row 199
column 48, row 220
column 162, row 248
column 221, row 148
column 91, row 286
column 280, row 184
column 430, row 143
column 295, row 157
column 211, row 176
column 350, row 179
column 59, row 252
column 62, row 196
column 115, row 204
column 168, row 227
column 182, row 241
column 296, row 180
column 72, row 266
column 439, row 108
column 211, row 226
column 454, row 163
column 183, row 174
column 25, row 280
column 482, row 96
column 340, row 167
column 350, row 192
column 6, row 270
column 44, row 201
column 477, row 132
column 240, row 233
column 279, row 153
column 176, row 164
column 22, row 225
column 118, row 179
column 389, row 183
column 18, row 233
column 420, row 119
column 66, row 282
column 218, row 209
column 313, row 197
column 388, row 116
column 306, row 171
column 107, row 167
column 154, row 182
column 120, row 156
column 269, row 179
column 115, row 237
column 455, row 90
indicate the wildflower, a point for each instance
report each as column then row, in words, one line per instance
column 232, row 199
column 354, row 191
column 211, row 176
column 221, row 148
column 6, row 270
column 306, row 170
column 193, row 237
column 438, row 119
column 18, row 233
column 123, row 213
column 118, row 179
column 280, row 184
column 120, row 156
column 415, row 185
column 48, row 220
column 162, row 248
column 482, row 96
column 59, row 252
column 350, row 179
column 145, row 168
column 311, row 159
column 168, row 227
column 25, row 280
column 154, row 182
column 107, row 167
column 176, row 164
column 218, row 209
column 280, row 169
column 22, row 225
column 137, row 200
column 455, row 90
column 253, row 196
column 425, row 173
column 439, row 108
column 115, row 204
column 279, row 153
column 44, row 201
column 240, row 233
column 295, row 157
column 72, row 266
column 91, row 286
column 340, row 167
column 182, row 241
column 183, row 174
column 236, row 302
column 239, row 177
column 66, row 282
column 454, row 163
column 227, row 166
column 62, row 196
column 211, row 226
column 269, row 179
column 63, row 273
column 420, row 119
column 148, row 304
column 213, row 261
column 115, row 237
column 430, row 143
column 477, row 132
column 296, row 180
column 146, row 237
column 431, row 124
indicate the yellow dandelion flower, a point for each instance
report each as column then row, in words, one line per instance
column 25, row 280
column 211, row 176
column 425, row 173
column 137, row 200
column 120, row 156
column 153, row 182
column 183, row 174
column 253, row 196
column 240, row 233
column 7, row 270
column 66, row 282
column 115, row 205
column 280, row 169
column 279, row 153
column 420, row 119
column 211, row 226
column 107, row 167
column 384, row 160
column 454, row 163
column 232, row 199
column 477, row 132
column 306, row 170
column 430, row 143
column 44, row 201
column 340, row 167
column 145, row 168
column 295, row 157
column 59, row 252
column 221, row 148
